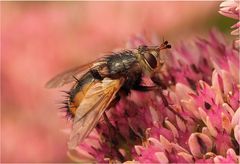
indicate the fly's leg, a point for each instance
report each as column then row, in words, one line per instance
column 115, row 137
column 145, row 88
column 112, row 104
column 164, row 100
column 109, row 124
column 157, row 80
column 166, row 104
column 114, row 101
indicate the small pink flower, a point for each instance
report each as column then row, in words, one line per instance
column 236, row 32
column 230, row 8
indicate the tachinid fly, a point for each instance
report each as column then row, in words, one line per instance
column 102, row 83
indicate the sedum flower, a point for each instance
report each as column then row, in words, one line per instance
column 202, row 86
column 230, row 8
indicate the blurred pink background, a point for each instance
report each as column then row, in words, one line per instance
column 41, row 39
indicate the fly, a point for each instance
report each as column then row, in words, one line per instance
column 102, row 83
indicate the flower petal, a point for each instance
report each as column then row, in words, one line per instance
column 237, row 133
column 155, row 142
column 216, row 87
column 227, row 3
column 203, row 115
column 227, row 82
column 138, row 149
column 178, row 148
column 190, row 106
column 231, row 153
column 227, row 108
column 165, row 143
column 171, row 127
column 199, row 144
column 211, row 129
column 186, row 156
column 236, row 118
column 183, row 91
column 218, row 159
column 206, row 132
column 154, row 115
column 162, row 158
column 226, row 124
column 235, row 32
column 181, row 124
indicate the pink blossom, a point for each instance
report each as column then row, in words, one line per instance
column 230, row 8
column 202, row 88
column 40, row 39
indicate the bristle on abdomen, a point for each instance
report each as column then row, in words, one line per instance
column 73, row 98
column 66, row 108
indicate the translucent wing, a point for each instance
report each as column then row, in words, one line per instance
column 90, row 110
column 67, row 76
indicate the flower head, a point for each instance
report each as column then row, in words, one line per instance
column 230, row 8
column 202, row 87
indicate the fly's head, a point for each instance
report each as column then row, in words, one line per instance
column 150, row 57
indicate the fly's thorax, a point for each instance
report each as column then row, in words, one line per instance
column 117, row 65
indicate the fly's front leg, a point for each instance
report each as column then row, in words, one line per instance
column 160, row 86
column 157, row 80
column 166, row 104
column 144, row 88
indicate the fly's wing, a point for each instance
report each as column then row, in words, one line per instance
column 70, row 75
column 67, row 76
column 90, row 110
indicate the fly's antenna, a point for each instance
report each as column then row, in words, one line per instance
column 163, row 40
column 165, row 45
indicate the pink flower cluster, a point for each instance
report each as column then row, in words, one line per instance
column 230, row 8
column 202, row 86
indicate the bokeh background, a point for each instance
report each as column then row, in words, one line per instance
column 41, row 39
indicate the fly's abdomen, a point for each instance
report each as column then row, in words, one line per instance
column 78, row 92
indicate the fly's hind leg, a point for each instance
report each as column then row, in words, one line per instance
column 114, row 134
column 114, row 101
column 112, row 104
column 113, row 138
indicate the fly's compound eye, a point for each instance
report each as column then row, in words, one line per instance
column 151, row 60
